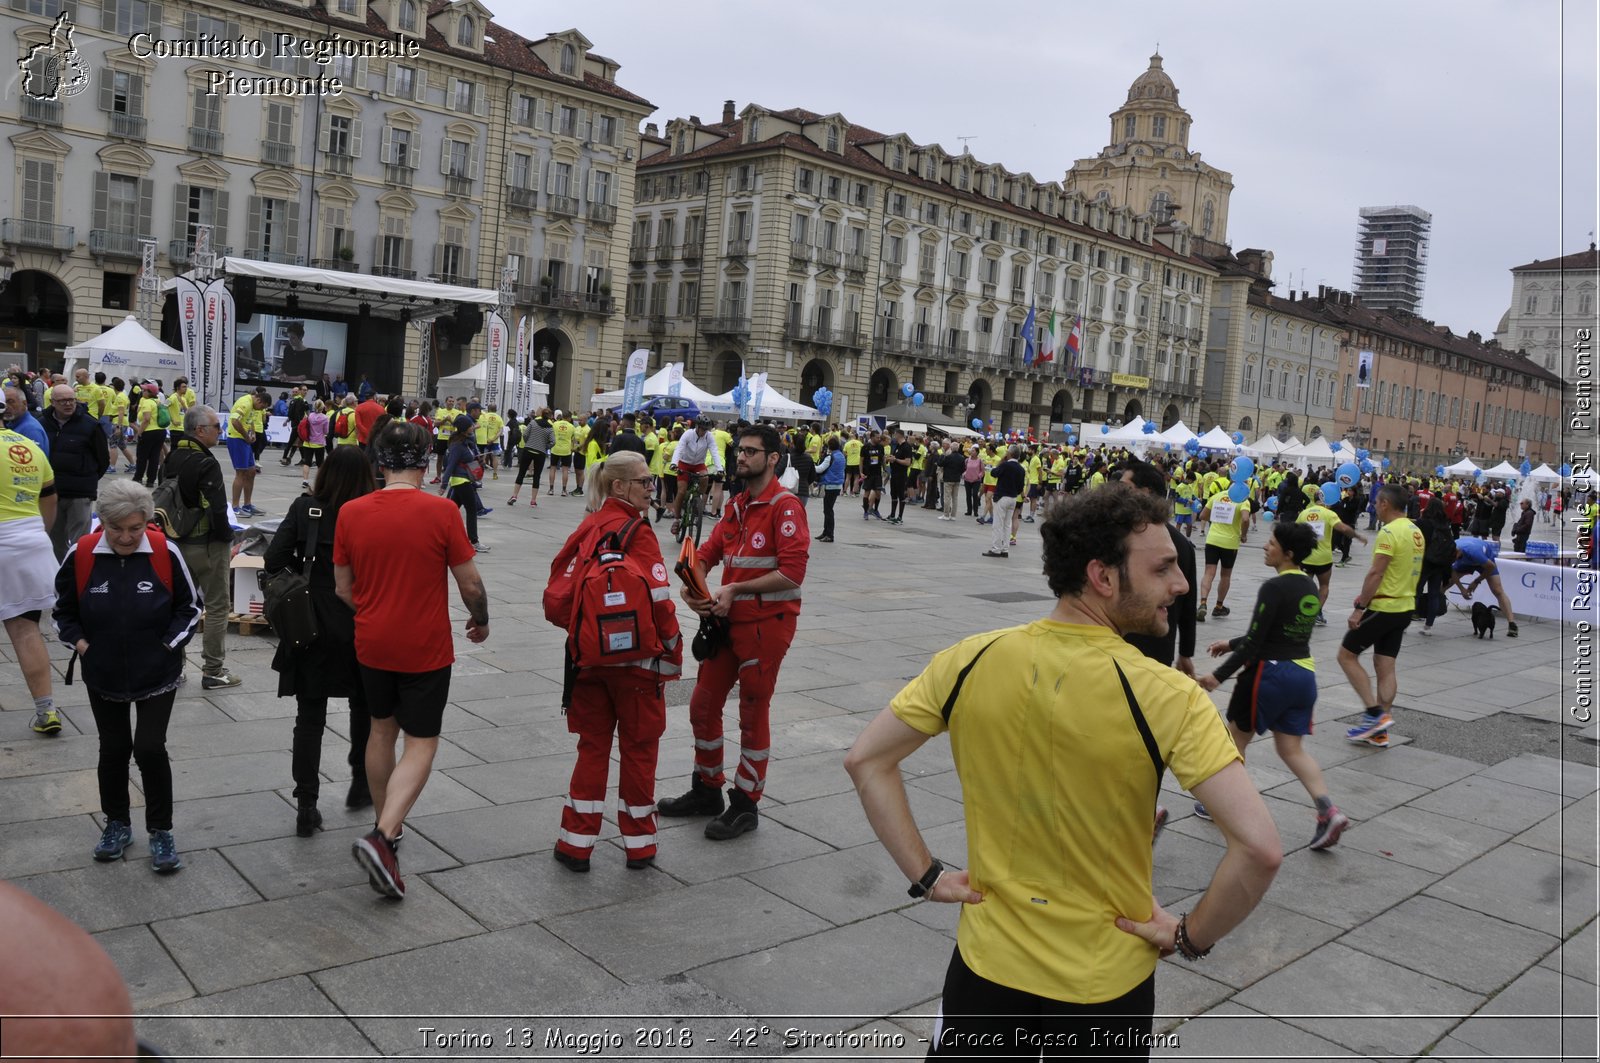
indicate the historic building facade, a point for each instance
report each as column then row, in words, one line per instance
column 1550, row 301
column 824, row 253
column 457, row 147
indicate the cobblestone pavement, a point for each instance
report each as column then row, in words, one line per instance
column 1455, row 919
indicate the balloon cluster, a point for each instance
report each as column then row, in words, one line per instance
column 822, row 399
column 1193, row 446
column 1072, row 440
column 1330, row 493
column 977, row 424
column 740, row 395
column 1438, row 470
column 1564, row 471
column 1149, row 428
column 1526, row 467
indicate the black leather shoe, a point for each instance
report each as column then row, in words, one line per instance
column 359, row 796
column 701, row 800
column 572, row 863
column 740, row 818
column 308, row 821
column 639, row 863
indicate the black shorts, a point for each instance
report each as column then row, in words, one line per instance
column 440, row 446
column 1317, row 570
column 1380, row 632
column 577, row 462
column 1221, row 555
column 415, row 699
column 872, row 481
column 561, row 461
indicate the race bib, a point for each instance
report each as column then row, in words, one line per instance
column 1223, row 511
column 1317, row 527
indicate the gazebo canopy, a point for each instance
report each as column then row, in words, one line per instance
column 1217, row 439
column 1545, row 474
column 128, row 349
column 1464, row 467
column 657, row 385
column 1504, row 471
column 1177, row 435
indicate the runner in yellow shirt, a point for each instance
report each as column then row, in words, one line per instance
column 1383, row 610
column 1224, row 534
column 564, row 434
column 852, row 464
column 1323, row 522
column 119, row 423
column 580, row 454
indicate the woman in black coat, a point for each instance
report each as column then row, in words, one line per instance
column 327, row 667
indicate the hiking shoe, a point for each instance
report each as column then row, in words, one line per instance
column 376, row 855
column 1426, row 632
column 164, row 858
column 740, row 818
column 220, row 680
column 579, row 864
column 1161, row 823
column 113, row 841
column 1330, row 825
column 47, row 722
column 577, row 493
column 1027, row 520
column 1511, row 629
column 1380, row 740
column 1220, row 611
column 1368, row 726
column 308, row 820
column 701, row 800
column 359, row 796
column 1200, row 812
column 1200, row 617
column 997, row 553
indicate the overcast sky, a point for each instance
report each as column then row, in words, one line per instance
column 1462, row 107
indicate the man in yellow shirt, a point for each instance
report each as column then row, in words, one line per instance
column 245, row 420
column 564, row 435
column 119, row 422
column 1056, row 906
column 852, row 463
column 580, row 449
column 1383, row 611
column 1324, row 522
column 1224, row 533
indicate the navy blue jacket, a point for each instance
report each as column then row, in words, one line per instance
column 79, row 453
column 135, row 628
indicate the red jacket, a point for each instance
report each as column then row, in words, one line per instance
column 367, row 415
column 754, row 537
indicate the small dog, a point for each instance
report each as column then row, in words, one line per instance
column 1483, row 621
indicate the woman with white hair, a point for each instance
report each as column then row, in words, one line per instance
column 129, row 634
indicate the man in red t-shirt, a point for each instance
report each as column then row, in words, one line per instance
column 395, row 584
column 765, row 542
column 367, row 415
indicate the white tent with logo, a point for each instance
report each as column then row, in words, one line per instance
column 658, row 384
column 774, row 404
column 1132, row 432
column 474, row 379
column 1217, row 439
column 1266, row 447
column 1316, row 452
column 127, row 350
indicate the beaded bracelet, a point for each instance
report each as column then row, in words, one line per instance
column 1185, row 947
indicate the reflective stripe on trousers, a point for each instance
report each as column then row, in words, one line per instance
column 751, row 658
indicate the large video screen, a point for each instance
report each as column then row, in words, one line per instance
column 279, row 350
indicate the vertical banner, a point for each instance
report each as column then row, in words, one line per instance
column 633, row 380
column 675, row 379
column 494, row 370
column 191, row 305
column 523, row 397
column 424, row 353
column 758, row 391
column 1364, row 369
column 220, row 338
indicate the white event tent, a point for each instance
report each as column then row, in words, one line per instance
column 476, row 377
column 1464, row 467
column 657, row 384
column 1504, row 471
column 1545, row 474
column 1316, row 452
column 1178, row 435
column 1217, row 439
column 774, row 403
column 129, row 351
column 1265, row 447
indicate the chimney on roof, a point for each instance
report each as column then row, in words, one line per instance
column 694, row 119
column 1292, row 294
column 1322, row 291
column 727, row 111
column 651, row 129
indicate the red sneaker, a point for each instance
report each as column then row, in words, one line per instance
column 376, row 855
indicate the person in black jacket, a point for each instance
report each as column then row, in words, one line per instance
column 1523, row 527
column 1181, row 627
column 79, row 455
column 327, row 667
column 1291, row 499
column 208, row 550
column 298, row 408
column 1438, row 555
column 537, row 438
column 129, row 629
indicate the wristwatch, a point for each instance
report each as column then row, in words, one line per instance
column 923, row 885
column 1359, row 604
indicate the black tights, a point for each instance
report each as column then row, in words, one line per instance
column 974, row 494
column 980, row 1019
column 527, row 458
column 147, row 456
column 146, row 742
column 311, row 716
column 466, row 496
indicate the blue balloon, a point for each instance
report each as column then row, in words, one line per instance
column 906, row 390
column 1526, row 467
column 1348, row 474
column 1072, row 440
column 977, row 424
column 1438, row 470
column 1239, row 492
column 916, row 400
column 1565, row 470
column 1149, row 428
column 1362, row 454
column 1243, row 469
column 1167, row 447
column 1272, row 503
column 1330, row 493
column 1366, row 466
column 1193, row 446
column 1385, row 463
column 1105, row 429
column 1238, row 438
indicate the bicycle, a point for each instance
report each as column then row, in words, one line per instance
column 691, row 516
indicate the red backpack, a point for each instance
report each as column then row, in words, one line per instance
column 160, row 559
column 604, row 602
column 341, row 424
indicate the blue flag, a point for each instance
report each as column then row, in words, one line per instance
column 1027, row 337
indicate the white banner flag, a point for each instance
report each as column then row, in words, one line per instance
column 633, row 380
column 675, row 379
column 524, row 393
column 494, row 376
column 220, row 335
column 191, row 307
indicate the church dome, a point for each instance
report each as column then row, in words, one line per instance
column 1153, row 84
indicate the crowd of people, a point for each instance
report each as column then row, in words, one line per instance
column 1133, row 549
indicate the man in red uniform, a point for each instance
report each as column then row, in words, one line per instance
column 763, row 539
column 624, row 697
column 367, row 415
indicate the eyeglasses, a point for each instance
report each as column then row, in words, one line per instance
column 643, row 481
column 750, row 452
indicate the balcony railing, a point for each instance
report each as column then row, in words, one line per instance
column 1019, row 295
column 891, row 270
column 114, row 244
column 664, row 253
column 828, row 258
column 338, row 163
column 128, row 126
column 658, row 323
column 565, row 206
column 799, row 251
column 398, row 175
column 639, row 254
column 833, row 337
column 602, row 213
column 280, row 257
column 45, row 112
column 182, row 251
column 691, row 252
column 925, row 276
column 855, row 263
column 342, row 265
column 276, row 154
column 521, row 198
column 893, row 343
column 397, row 272
column 988, row 290
column 738, row 247
column 26, row 233
column 550, row 297
column 1165, row 328
column 206, row 141
column 457, row 185
column 456, row 279
column 725, row 325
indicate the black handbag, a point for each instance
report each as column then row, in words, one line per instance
column 287, row 596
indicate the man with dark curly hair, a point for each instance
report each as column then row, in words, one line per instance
column 1061, row 733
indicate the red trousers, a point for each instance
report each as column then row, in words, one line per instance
column 607, row 701
column 751, row 659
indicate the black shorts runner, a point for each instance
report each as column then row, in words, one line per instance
column 1317, row 570
column 872, row 481
column 561, row 461
column 415, row 699
column 1380, row 632
column 1221, row 555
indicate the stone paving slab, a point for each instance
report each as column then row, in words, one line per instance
column 211, row 1027
column 309, row 932
column 1492, row 803
column 1230, row 1031
column 688, row 855
column 240, row 773
column 1574, row 832
column 1182, row 993
column 1344, row 886
column 1539, row 1013
column 1578, row 955
column 1534, row 889
column 512, row 781
column 1427, row 935
column 1257, row 946
column 1362, row 986
column 151, row 975
column 526, row 889
column 842, row 887
column 289, row 866
column 65, row 793
column 1422, row 839
column 30, row 754
column 837, row 821
column 127, row 892
column 683, row 929
column 41, row 845
column 1547, row 774
column 1408, row 764
column 496, row 831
